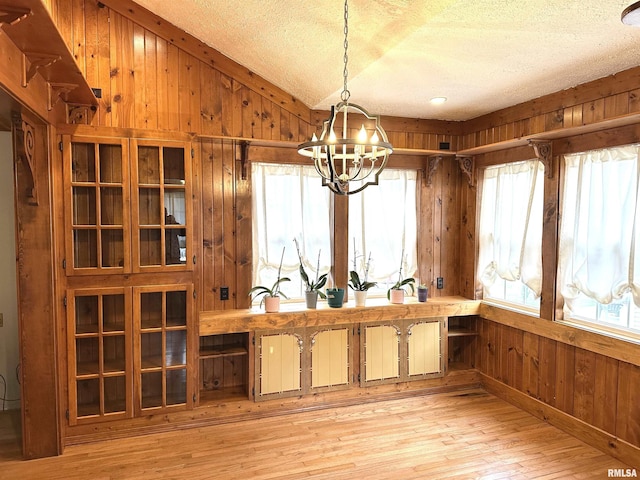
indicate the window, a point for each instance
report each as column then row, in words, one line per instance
column 599, row 239
column 383, row 223
column 510, row 232
column 289, row 202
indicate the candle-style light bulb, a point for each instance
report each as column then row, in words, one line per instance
column 374, row 137
column 362, row 135
column 332, row 136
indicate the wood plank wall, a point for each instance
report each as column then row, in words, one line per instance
column 582, row 382
column 607, row 98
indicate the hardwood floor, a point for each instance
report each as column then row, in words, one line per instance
column 462, row 435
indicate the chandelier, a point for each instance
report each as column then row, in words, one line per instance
column 348, row 163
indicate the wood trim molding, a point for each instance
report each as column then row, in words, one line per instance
column 591, row 341
column 589, row 434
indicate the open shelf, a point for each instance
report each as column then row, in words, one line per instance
column 461, row 332
column 224, row 367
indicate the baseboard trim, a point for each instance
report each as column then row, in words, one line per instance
column 603, row 441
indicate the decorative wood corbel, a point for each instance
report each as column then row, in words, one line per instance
column 467, row 166
column 542, row 149
column 24, row 144
column 32, row 62
column 79, row 114
column 244, row 159
column 432, row 165
column 11, row 15
column 57, row 90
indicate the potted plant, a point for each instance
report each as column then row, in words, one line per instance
column 360, row 286
column 312, row 288
column 396, row 293
column 423, row 292
column 272, row 295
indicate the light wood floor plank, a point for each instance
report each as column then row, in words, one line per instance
column 457, row 435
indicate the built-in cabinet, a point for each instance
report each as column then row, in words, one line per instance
column 100, row 354
column 402, row 350
column 132, row 339
column 462, row 336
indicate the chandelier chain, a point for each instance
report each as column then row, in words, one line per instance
column 345, row 92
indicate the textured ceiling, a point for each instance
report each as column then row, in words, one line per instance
column 482, row 55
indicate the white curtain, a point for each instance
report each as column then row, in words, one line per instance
column 510, row 230
column 383, row 222
column 599, row 230
column 289, row 202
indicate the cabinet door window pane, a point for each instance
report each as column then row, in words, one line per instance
column 176, row 309
column 115, row 394
column 113, row 348
column 151, row 310
column 87, row 356
column 83, row 165
column 151, row 389
column 150, row 247
column 173, row 165
column 88, row 397
column 176, row 386
column 113, row 313
column 111, row 206
column 148, row 165
column 86, row 314
column 151, row 349
column 110, row 163
column 85, row 255
column 84, row 206
column 176, row 349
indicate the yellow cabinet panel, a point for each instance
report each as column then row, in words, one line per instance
column 279, row 363
column 424, row 355
column 330, row 358
column 382, row 352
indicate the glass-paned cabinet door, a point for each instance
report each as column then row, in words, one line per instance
column 163, row 347
column 161, row 191
column 96, row 179
column 99, row 345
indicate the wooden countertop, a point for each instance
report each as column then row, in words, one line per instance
column 297, row 315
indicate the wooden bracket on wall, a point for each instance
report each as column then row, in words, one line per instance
column 244, row 159
column 467, row 166
column 32, row 62
column 542, row 149
column 432, row 165
column 79, row 114
column 57, row 90
column 24, row 144
column 11, row 15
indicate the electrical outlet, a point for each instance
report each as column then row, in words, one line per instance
column 440, row 283
column 1, row 321
column 224, row 293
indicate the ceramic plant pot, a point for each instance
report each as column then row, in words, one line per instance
column 422, row 294
column 360, row 297
column 271, row 304
column 397, row 296
column 311, row 298
column 335, row 297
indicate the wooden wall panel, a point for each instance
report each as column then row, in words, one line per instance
column 596, row 389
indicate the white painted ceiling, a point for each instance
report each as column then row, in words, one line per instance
column 483, row 55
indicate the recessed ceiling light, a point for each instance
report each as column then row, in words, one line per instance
column 438, row 100
column 631, row 14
